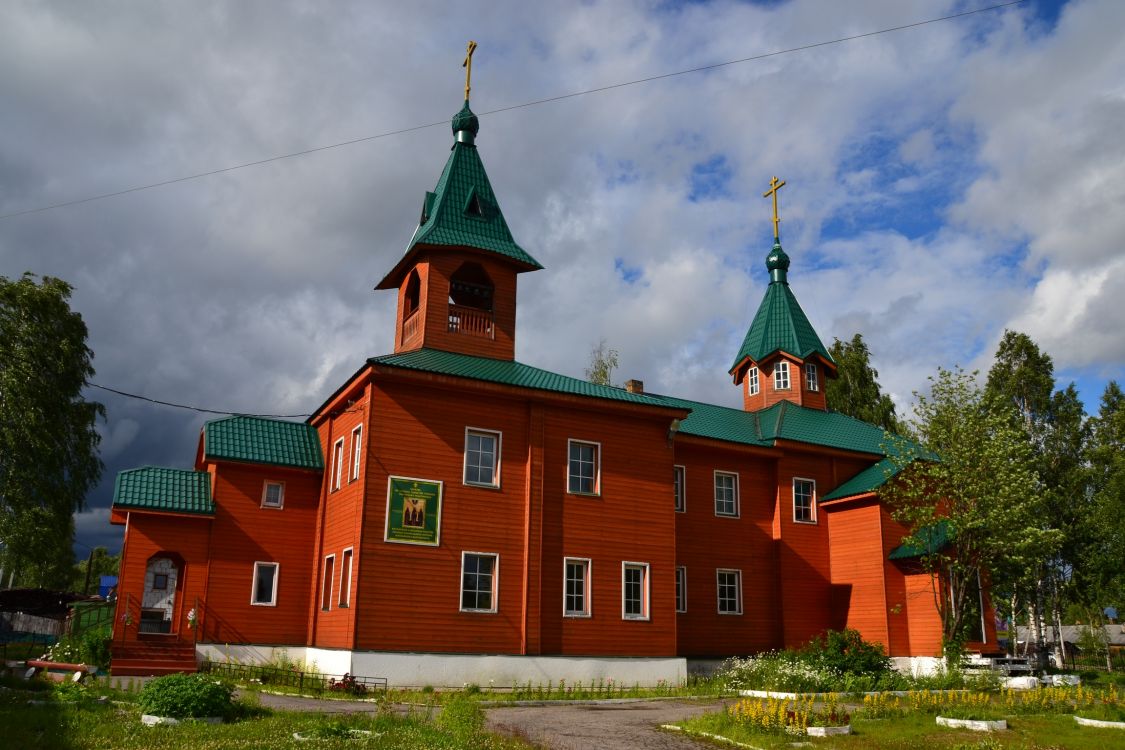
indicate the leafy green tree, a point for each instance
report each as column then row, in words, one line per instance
column 973, row 473
column 48, row 444
column 1103, row 574
column 855, row 391
column 603, row 361
column 98, row 563
column 1055, row 426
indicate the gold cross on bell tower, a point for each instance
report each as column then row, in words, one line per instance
column 775, row 185
column 468, row 66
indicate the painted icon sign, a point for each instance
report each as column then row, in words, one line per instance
column 413, row 511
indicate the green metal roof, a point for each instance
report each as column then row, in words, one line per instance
column 933, row 538
column 263, row 441
column 780, row 324
column 868, row 480
column 168, row 490
column 462, row 211
column 508, row 372
column 782, row 421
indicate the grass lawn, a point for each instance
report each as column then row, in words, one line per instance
column 72, row 719
column 917, row 731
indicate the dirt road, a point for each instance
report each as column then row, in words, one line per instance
column 605, row 726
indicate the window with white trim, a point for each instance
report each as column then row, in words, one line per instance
column 264, row 590
column 728, row 584
column 812, row 382
column 273, row 494
column 326, row 582
column 584, row 470
column 576, row 587
column 357, row 451
column 804, row 500
column 679, row 477
column 479, row 576
column 781, row 376
column 346, row 578
column 337, row 464
column 482, row 457
column 726, row 494
column 753, row 375
column 634, row 591
column 681, row 588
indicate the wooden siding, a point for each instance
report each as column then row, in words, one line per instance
column 706, row 542
column 434, row 271
column 856, row 556
column 244, row 533
column 150, row 534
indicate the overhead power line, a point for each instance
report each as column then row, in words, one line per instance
column 534, row 103
column 195, row 408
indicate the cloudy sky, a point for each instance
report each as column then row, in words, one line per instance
column 944, row 182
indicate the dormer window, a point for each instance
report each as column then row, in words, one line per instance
column 811, row 380
column 781, row 376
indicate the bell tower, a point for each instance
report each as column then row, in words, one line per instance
column 457, row 281
column 781, row 357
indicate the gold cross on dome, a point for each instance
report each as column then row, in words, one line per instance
column 775, row 185
column 468, row 65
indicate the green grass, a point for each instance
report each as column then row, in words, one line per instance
column 921, row 731
column 74, row 719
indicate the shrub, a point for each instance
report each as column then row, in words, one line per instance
column 184, row 696
column 91, row 647
column 845, row 652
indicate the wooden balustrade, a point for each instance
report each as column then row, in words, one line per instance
column 410, row 326
column 470, row 321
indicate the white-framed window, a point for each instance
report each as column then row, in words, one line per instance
column 346, row 577
column 263, row 592
column 357, row 451
column 482, row 457
column 781, row 376
column 634, row 591
column 576, row 587
column 681, row 588
column 804, row 500
column 480, row 574
column 728, row 585
column 326, row 582
column 679, row 488
column 726, row 494
column 337, row 464
column 584, row 468
column 812, row 382
column 273, row 494
column 754, row 385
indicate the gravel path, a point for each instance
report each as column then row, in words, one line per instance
column 606, row 726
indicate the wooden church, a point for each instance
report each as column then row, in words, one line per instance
column 451, row 515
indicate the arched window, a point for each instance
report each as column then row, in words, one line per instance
column 471, row 287
column 470, row 301
column 410, row 299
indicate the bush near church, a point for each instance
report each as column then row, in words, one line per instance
column 187, row 696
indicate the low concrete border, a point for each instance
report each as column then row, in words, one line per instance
column 977, row 725
column 828, row 731
column 1083, row 722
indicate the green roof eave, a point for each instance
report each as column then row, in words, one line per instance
column 932, row 538
column 161, row 490
column 867, row 481
column 462, row 211
column 780, row 325
column 512, row 373
column 257, row 440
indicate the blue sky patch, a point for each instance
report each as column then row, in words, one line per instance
column 710, row 179
column 628, row 274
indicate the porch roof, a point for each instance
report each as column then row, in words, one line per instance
column 154, row 488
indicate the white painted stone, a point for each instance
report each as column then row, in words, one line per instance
column 977, row 725
column 828, row 731
column 149, row 720
column 1026, row 682
column 1061, row 679
column 1099, row 723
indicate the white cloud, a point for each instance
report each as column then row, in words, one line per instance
column 945, row 182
